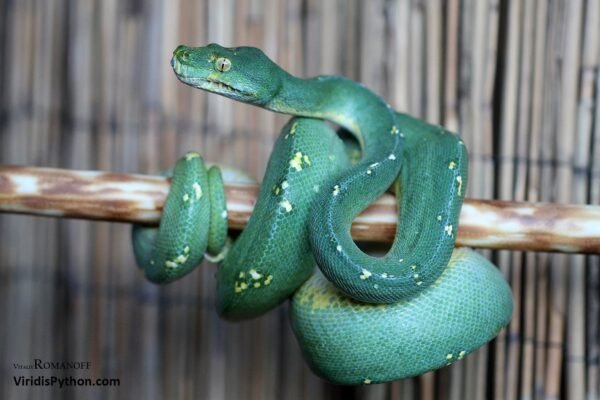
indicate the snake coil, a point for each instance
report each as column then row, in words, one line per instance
column 359, row 319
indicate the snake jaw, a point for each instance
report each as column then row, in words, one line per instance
column 209, row 83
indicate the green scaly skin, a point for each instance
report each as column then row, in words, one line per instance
column 271, row 258
column 253, row 78
column 435, row 312
column 348, row 342
column 192, row 220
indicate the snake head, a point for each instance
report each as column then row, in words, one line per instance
column 241, row 73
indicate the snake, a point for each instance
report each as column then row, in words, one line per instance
column 359, row 318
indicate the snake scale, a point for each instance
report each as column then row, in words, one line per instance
column 359, row 319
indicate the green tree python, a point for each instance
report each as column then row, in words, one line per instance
column 359, row 319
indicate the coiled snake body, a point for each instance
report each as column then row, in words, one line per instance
column 361, row 319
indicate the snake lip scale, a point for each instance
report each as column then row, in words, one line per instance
column 209, row 84
column 359, row 319
column 214, row 86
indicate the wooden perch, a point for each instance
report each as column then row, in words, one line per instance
column 139, row 198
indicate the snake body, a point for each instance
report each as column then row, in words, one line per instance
column 379, row 318
column 194, row 221
column 271, row 258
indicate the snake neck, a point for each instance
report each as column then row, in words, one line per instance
column 343, row 102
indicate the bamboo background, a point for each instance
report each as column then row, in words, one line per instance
column 86, row 84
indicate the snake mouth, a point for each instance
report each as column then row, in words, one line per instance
column 185, row 75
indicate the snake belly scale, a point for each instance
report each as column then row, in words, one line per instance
column 359, row 318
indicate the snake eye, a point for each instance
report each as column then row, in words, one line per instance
column 222, row 64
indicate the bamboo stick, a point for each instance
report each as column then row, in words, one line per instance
column 534, row 261
column 139, row 199
column 593, row 282
column 21, row 21
column 509, row 263
column 576, row 333
column 565, row 287
column 483, row 134
column 522, row 270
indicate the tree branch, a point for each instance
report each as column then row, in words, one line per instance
column 139, row 199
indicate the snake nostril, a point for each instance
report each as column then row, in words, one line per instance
column 181, row 52
column 179, row 49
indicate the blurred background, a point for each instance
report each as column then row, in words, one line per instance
column 86, row 84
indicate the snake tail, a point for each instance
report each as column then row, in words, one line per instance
column 188, row 223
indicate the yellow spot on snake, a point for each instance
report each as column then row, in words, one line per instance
column 336, row 190
column 268, row 280
column 256, row 284
column 368, row 172
column 296, row 161
column 391, row 157
column 419, row 283
column 416, row 276
column 186, row 197
column 286, row 205
column 376, row 286
column 461, row 354
column 384, row 275
column 316, row 188
column 339, row 248
column 449, row 356
column 459, row 181
column 186, row 250
column 255, row 275
column 197, row 190
column 394, row 130
column 239, row 287
column 285, row 185
column 367, row 381
column 171, row 264
column 224, row 214
column 452, row 165
column 191, row 155
column 242, row 274
column 293, row 130
column 181, row 259
column 413, row 267
column 439, row 217
column 365, row 274
column 448, row 230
